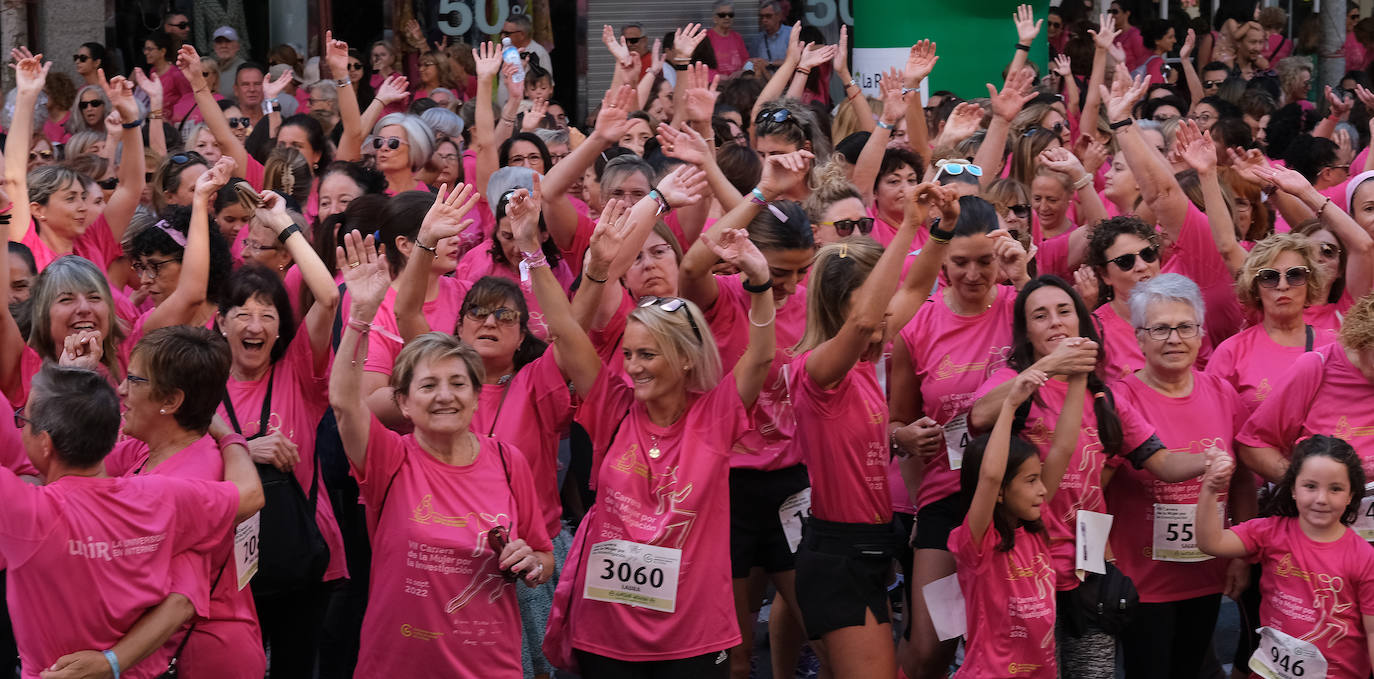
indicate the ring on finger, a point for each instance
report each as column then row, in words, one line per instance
column 354, row 265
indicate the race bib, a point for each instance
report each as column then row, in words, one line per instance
column 246, row 549
column 792, row 513
column 1280, row 656
column 632, row 574
column 1175, row 534
column 1364, row 521
column 956, row 439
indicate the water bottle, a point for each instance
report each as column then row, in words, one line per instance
column 511, row 55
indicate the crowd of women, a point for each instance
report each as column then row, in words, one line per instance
column 1084, row 355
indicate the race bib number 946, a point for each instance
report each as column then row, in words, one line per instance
column 1281, row 656
column 628, row 573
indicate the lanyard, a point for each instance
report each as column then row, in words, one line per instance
column 266, row 408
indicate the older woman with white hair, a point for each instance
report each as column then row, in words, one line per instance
column 1180, row 587
column 403, row 143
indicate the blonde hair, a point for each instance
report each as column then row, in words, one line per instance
column 831, row 187
column 846, row 121
column 677, row 341
column 1264, row 253
column 431, row 347
column 840, row 268
column 1357, row 330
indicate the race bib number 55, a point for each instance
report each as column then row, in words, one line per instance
column 631, row 574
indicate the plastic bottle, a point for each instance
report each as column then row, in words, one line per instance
column 511, row 55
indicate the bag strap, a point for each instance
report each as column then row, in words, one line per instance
column 172, row 664
column 336, row 333
column 265, row 417
column 1311, row 338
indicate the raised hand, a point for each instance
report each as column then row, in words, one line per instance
column 336, row 56
column 30, row 74
column 188, row 62
column 784, row 171
column 113, row 125
column 150, row 86
column 1012, row 257
column 446, row 218
column 271, row 89
column 656, row 57
column 612, row 228
column 82, row 350
column 395, row 88
column 894, row 102
column 685, row 144
column 538, row 109
column 1124, row 93
column 701, row 93
column 1085, row 283
column 794, row 44
column 963, row 122
column 1061, row 160
column 1189, row 43
column 414, row 37
column 366, row 273
column 1062, row 66
column 212, row 180
column 920, row 61
column 841, row 61
column 814, row 55
column 1340, row 106
column 1248, row 163
column 516, row 90
column 1345, row 148
column 120, row 92
column 928, row 198
column 619, row 50
column 1091, row 152
column 523, row 210
column 271, row 210
column 683, row 186
column 734, row 247
column 487, row 56
column 1016, row 93
column 685, row 41
column 1287, row 179
column 1026, row 383
column 612, row 120
column 1105, row 36
column 1195, row 147
column 1027, row 27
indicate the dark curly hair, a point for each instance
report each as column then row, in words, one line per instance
column 154, row 239
column 1104, row 235
column 1281, row 502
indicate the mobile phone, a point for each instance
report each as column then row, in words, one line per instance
column 497, row 539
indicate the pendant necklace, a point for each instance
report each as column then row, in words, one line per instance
column 654, row 451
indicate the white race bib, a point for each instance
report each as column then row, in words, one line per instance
column 632, row 574
column 1280, row 656
column 956, row 439
column 1364, row 521
column 793, row 511
column 246, row 549
column 1175, row 534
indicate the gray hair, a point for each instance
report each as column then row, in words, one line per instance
column 445, row 90
column 189, row 134
column 551, row 137
column 771, row 3
column 49, row 179
column 1168, row 287
column 507, row 179
column 444, row 121
column 78, row 409
column 77, row 121
column 621, row 167
column 40, row 110
column 524, row 22
column 633, row 24
column 418, row 135
column 81, row 142
column 324, row 89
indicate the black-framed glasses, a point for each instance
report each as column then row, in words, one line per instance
column 152, row 267
column 355, row 66
column 505, row 316
column 1209, row 84
column 1329, row 251
column 778, row 116
column 109, row 184
column 392, row 143
column 1022, row 210
column 845, row 227
column 633, row 41
column 1296, row 277
column 670, row 305
column 93, row 103
column 182, row 25
column 81, row 58
column 1161, row 333
column 726, row 15
column 243, row 122
column 1126, row 262
column 19, row 420
column 1113, row 11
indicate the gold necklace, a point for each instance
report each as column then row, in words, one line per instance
column 654, row 451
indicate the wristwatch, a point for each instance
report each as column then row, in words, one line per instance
column 270, row 105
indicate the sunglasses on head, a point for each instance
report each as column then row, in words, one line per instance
column 81, row 58
column 726, row 15
column 1269, row 278
column 94, row 103
column 504, row 315
column 392, row 143
column 955, row 167
column 1329, row 251
column 845, row 227
column 671, row 304
column 781, row 115
column 243, row 122
column 1126, row 262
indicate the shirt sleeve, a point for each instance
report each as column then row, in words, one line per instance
column 1255, row 534
column 26, row 519
column 191, row 577
column 385, row 453
column 1136, row 432
column 1277, row 422
column 205, row 511
column 98, row 244
column 549, row 394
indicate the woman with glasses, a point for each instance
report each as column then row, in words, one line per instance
column 525, row 401
column 835, row 207
column 784, row 126
column 939, row 359
column 280, row 416
column 159, row 52
column 1282, row 275
column 88, row 60
column 434, row 74
column 1012, row 201
column 1153, row 536
column 731, row 53
column 1123, row 253
column 91, row 109
column 403, row 144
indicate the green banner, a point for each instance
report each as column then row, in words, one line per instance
column 975, row 40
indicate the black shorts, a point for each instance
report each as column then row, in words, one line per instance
column 935, row 521
column 713, row 665
column 842, row 570
column 756, row 537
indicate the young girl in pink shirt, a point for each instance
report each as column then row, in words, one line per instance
column 1317, row 575
column 1006, row 574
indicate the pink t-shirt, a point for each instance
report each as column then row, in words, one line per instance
column 769, row 445
column 299, row 397
column 848, row 465
column 438, row 605
column 1121, row 345
column 1081, row 487
column 1208, row 417
column 1195, row 255
column 227, row 641
column 88, row 556
column 175, row 87
column 953, row 355
column 678, row 499
column 1315, row 591
column 1323, row 393
column 478, row 262
column 1053, row 256
column 441, row 313
column 731, row 54
column 1009, row 604
column 96, row 243
column 1254, row 363
column 531, row 412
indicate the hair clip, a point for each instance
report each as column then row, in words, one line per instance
column 844, row 250
column 177, row 237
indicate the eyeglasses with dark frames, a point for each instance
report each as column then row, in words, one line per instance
column 1161, row 333
column 845, row 227
column 1296, row 276
column 1126, row 262
column 19, row 420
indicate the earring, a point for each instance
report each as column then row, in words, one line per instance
column 162, row 411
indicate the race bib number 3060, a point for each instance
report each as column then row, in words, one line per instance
column 632, row 574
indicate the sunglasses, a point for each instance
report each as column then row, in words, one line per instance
column 957, row 168
column 844, row 227
column 779, row 116
column 108, row 184
column 1126, row 262
column 19, row 420
column 671, row 304
column 1057, row 129
column 633, row 41
column 35, row 155
column 1113, row 11
column 94, row 103
column 1021, row 211
column 355, row 66
column 240, row 122
column 726, row 15
column 183, row 25
column 1209, row 84
column 1269, row 278
column 510, row 33
column 1329, row 251
column 392, row 143
column 1161, row 333
column 81, row 58
column 505, row 316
